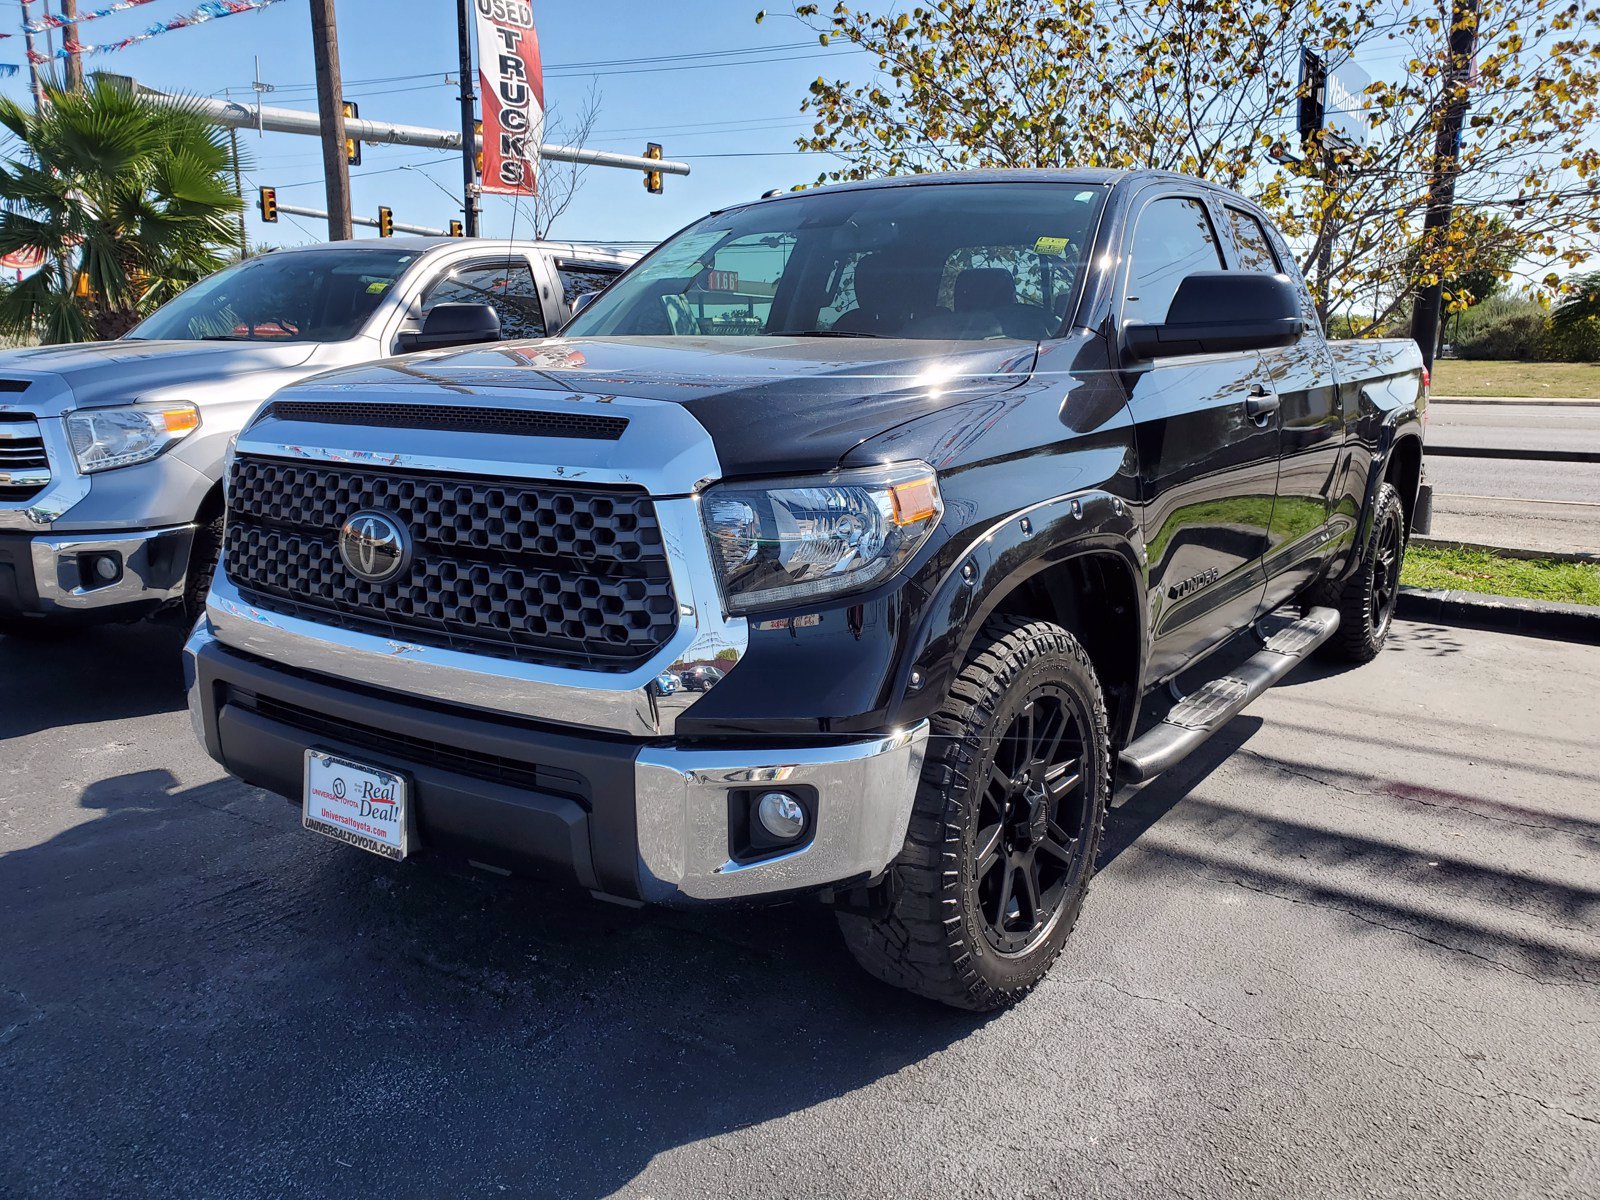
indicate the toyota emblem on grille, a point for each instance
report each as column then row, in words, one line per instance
column 374, row 545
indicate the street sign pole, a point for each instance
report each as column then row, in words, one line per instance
column 469, row 139
column 330, row 107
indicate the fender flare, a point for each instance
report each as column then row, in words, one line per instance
column 1003, row 558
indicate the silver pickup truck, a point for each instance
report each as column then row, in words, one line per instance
column 111, row 453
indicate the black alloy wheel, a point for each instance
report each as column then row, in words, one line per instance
column 1386, row 572
column 1030, row 823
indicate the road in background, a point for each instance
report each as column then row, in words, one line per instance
column 1549, row 506
column 1350, row 948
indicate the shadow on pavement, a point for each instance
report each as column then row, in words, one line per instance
column 98, row 673
column 199, row 998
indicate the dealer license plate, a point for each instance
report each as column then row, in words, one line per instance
column 361, row 805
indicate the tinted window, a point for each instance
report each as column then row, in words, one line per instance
column 310, row 296
column 963, row 261
column 508, row 286
column 578, row 279
column 1173, row 241
column 1255, row 250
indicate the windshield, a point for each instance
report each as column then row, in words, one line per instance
column 315, row 296
column 962, row 261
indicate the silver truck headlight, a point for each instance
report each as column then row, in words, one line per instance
column 790, row 541
column 103, row 438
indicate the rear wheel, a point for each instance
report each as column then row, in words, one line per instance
column 1005, row 828
column 1368, row 599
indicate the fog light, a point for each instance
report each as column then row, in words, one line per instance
column 106, row 566
column 781, row 815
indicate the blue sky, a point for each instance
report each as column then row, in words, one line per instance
column 734, row 122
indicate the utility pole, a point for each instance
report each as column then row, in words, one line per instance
column 69, row 42
column 469, row 136
column 330, row 108
column 1446, row 156
column 33, row 67
column 238, row 190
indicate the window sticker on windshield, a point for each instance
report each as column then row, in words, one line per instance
column 377, row 287
column 1051, row 245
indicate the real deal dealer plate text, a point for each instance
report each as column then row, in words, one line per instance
column 361, row 805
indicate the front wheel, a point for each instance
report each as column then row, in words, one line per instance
column 1368, row 601
column 1005, row 828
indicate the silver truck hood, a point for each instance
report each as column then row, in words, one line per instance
column 100, row 373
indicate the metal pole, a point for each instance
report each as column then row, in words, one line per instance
column 69, row 42
column 330, row 111
column 1446, row 152
column 368, row 222
column 33, row 67
column 469, row 141
column 238, row 190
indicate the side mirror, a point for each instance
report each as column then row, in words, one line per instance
column 454, row 325
column 583, row 302
column 1216, row 311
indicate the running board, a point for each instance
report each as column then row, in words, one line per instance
column 1199, row 715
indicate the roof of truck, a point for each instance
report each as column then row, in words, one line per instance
column 418, row 244
column 1092, row 175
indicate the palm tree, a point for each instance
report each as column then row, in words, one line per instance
column 130, row 200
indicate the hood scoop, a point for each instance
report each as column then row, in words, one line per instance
column 455, row 418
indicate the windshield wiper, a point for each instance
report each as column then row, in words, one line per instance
column 224, row 337
column 838, row 333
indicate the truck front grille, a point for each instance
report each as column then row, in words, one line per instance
column 24, row 466
column 538, row 572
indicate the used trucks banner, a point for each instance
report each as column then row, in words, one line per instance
column 511, row 84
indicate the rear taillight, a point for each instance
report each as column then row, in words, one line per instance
column 1427, row 380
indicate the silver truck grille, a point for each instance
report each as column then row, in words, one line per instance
column 24, row 465
column 537, row 572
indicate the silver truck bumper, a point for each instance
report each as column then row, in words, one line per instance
column 863, row 796
column 684, row 803
column 80, row 572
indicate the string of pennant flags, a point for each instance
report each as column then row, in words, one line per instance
column 211, row 11
column 52, row 21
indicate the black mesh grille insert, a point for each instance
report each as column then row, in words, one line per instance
column 15, row 385
column 532, row 571
column 515, row 773
column 454, row 417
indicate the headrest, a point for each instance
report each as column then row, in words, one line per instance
column 985, row 288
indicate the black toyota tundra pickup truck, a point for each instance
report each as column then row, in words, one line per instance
column 851, row 544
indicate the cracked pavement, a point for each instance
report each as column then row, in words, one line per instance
column 1351, row 948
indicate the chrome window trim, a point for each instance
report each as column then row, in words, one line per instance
column 663, row 449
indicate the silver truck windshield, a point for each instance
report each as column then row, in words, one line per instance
column 313, row 296
column 962, row 261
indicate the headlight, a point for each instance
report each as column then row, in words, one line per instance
column 796, row 540
column 103, row 438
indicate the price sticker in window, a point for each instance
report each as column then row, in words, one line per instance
column 1052, row 245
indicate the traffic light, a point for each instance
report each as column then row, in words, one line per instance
column 352, row 146
column 269, row 205
column 385, row 222
column 457, row 229
column 652, row 179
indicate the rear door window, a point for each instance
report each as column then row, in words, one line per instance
column 506, row 284
column 579, row 279
column 1250, row 237
column 1174, row 240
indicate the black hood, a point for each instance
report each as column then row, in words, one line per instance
column 771, row 404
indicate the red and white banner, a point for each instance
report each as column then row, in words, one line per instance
column 511, row 84
column 26, row 259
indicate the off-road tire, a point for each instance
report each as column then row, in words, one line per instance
column 202, row 566
column 932, row 939
column 1367, row 600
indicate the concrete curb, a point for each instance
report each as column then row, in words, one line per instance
column 1580, row 556
column 1571, row 456
column 1573, row 401
column 1535, row 618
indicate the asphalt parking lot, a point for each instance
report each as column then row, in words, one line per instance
column 1350, row 949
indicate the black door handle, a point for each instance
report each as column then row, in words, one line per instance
column 1260, row 404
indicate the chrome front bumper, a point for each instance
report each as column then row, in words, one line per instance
column 864, row 791
column 681, row 823
column 153, row 564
